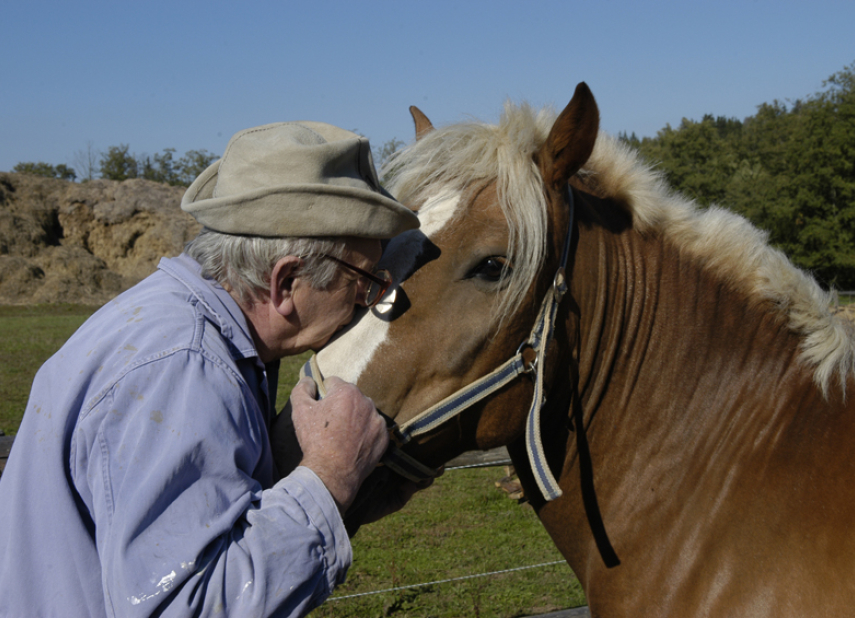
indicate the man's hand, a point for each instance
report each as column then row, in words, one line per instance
column 342, row 436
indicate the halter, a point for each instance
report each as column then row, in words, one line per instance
column 530, row 358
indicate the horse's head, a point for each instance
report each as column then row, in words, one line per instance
column 493, row 205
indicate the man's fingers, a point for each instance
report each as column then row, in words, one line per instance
column 342, row 436
column 305, row 389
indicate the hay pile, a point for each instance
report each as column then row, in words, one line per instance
column 64, row 242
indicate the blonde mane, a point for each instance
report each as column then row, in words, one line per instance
column 457, row 156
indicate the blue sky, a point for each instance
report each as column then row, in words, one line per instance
column 188, row 75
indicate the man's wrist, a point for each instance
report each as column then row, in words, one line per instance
column 341, row 491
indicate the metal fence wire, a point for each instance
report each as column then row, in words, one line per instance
column 494, row 458
column 445, row 581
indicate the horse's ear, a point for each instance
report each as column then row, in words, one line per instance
column 423, row 125
column 571, row 139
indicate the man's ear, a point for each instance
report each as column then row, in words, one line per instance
column 282, row 284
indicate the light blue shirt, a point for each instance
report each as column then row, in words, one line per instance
column 141, row 479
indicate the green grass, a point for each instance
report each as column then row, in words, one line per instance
column 289, row 373
column 28, row 337
column 462, row 526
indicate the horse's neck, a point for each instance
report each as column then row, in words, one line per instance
column 699, row 437
column 668, row 355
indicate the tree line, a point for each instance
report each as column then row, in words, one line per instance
column 790, row 169
column 118, row 163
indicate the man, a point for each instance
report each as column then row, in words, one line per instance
column 141, row 481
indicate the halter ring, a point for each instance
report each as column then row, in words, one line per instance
column 528, row 355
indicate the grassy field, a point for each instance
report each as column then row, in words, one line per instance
column 461, row 527
column 28, row 337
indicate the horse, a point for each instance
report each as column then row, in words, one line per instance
column 681, row 408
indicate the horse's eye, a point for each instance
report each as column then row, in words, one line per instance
column 492, row 269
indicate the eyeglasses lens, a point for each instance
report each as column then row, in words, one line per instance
column 375, row 290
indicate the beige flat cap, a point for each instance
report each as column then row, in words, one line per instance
column 296, row 179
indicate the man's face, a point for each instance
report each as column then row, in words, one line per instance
column 322, row 313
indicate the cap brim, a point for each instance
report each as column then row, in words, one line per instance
column 300, row 210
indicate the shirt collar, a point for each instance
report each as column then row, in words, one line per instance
column 221, row 308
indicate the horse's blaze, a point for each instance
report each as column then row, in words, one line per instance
column 349, row 354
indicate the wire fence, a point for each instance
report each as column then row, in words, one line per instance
column 843, row 297
column 467, row 461
column 445, row 581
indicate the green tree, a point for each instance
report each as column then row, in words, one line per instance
column 46, row 169
column 819, row 166
column 789, row 168
column 382, row 154
column 631, row 140
column 118, row 164
column 696, row 157
column 160, row 167
column 193, row 163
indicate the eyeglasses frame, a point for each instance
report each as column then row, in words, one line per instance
column 383, row 284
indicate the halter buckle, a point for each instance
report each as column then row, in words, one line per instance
column 528, row 355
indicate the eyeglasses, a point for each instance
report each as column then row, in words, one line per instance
column 376, row 283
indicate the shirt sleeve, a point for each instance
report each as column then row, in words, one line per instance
column 166, row 462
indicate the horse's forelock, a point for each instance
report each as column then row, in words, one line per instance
column 458, row 156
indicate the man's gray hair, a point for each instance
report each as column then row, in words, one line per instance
column 243, row 264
